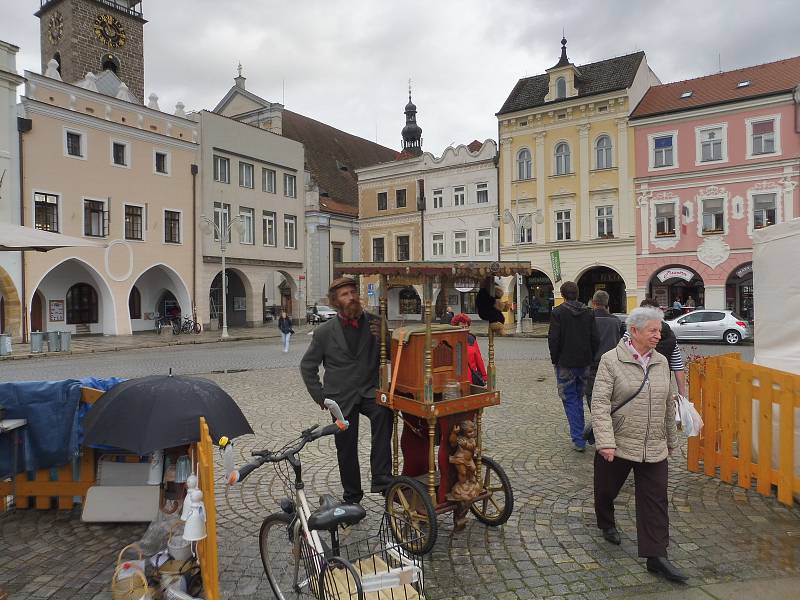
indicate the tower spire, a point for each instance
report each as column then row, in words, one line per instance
column 412, row 133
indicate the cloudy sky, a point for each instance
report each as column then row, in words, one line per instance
column 347, row 63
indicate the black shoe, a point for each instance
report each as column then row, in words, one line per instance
column 612, row 535
column 660, row 565
column 380, row 483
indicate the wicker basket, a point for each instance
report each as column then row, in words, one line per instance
column 132, row 587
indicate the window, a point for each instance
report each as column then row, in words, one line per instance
column 289, row 231
column 525, row 234
column 245, row 175
column 289, row 186
column 81, row 304
column 378, row 254
column 172, row 226
column 222, row 169
column 437, row 199
column 400, row 198
column 459, row 196
column 686, row 94
column 562, row 159
column 665, row 220
column 603, row 152
column 133, row 222
column 764, row 210
column 524, row 164
column 383, row 200
column 95, row 221
column 711, row 144
column 764, row 137
column 162, row 163
column 119, row 154
column 484, row 241
column 403, row 248
column 713, row 216
column 268, row 227
column 337, row 253
column 438, row 244
column 460, row 243
column 74, row 143
column 482, row 194
column 605, row 221
column 248, row 233
column 268, row 180
column 135, row 304
column 222, row 220
column 45, row 212
column 662, row 151
column 561, row 88
column 563, row 225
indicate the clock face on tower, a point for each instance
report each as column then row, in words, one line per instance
column 109, row 31
column 55, row 27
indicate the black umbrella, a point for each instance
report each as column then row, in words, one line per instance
column 162, row 411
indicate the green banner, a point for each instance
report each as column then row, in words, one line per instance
column 555, row 260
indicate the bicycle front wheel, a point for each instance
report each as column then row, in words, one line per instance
column 281, row 561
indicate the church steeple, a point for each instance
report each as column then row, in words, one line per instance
column 412, row 133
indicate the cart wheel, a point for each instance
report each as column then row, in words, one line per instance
column 339, row 579
column 498, row 506
column 412, row 515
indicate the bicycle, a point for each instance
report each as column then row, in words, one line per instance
column 190, row 326
column 291, row 539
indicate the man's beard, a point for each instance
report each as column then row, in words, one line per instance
column 352, row 310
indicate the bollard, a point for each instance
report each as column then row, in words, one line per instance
column 53, row 341
column 37, row 341
column 66, row 341
column 5, row 344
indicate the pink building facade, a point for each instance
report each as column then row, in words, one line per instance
column 708, row 176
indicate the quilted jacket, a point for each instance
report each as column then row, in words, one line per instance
column 643, row 429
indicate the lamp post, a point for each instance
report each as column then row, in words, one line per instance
column 222, row 232
column 517, row 222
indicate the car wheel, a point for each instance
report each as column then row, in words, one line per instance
column 731, row 337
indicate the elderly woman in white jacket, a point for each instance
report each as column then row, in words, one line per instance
column 633, row 417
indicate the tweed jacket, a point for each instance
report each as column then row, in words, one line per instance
column 348, row 377
column 644, row 429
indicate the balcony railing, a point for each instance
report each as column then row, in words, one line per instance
column 131, row 7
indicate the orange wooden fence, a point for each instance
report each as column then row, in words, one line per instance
column 207, row 548
column 729, row 394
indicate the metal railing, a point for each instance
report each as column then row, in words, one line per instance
column 126, row 6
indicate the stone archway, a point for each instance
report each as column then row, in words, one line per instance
column 12, row 308
column 239, row 301
column 151, row 285
column 739, row 291
column 603, row 278
column 289, row 293
column 676, row 282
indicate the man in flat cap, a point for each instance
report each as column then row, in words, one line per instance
column 349, row 349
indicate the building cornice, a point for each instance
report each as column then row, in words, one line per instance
column 731, row 106
column 373, row 222
column 12, row 78
column 566, row 246
column 574, row 103
column 731, row 170
column 252, row 262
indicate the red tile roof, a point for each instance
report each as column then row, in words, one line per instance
column 338, row 208
column 765, row 80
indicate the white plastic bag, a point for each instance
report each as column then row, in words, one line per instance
column 690, row 419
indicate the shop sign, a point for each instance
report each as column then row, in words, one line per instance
column 56, row 310
column 745, row 270
column 464, row 285
column 534, row 280
column 675, row 273
column 555, row 260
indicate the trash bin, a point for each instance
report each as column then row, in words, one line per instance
column 66, row 341
column 37, row 341
column 5, row 344
column 53, row 341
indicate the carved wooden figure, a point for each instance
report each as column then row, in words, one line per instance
column 464, row 441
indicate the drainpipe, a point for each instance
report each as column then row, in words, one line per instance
column 23, row 126
column 193, row 170
column 421, row 209
column 496, row 161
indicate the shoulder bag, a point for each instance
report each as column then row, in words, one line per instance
column 588, row 433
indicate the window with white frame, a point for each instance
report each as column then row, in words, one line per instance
column 459, row 197
column 245, row 175
column 711, row 144
column 74, row 142
column 713, row 215
column 764, row 210
column 95, row 218
column 222, row 169
column 400, row 198
column 663, row 151
column 459, row 243
column 563, row 225
column 484, row 241
column 268, row 230
column 247, row 234
column 161, row 160
column 222, row 221
column 438, row 199
column 290, row 231
column 383, row 200
column 289, row 186
column 172, row 227
column 562, row 159
column 378, row 250
column 603, row 149
column 45, row 215
column 438, row 244
column 134, row 218
column 525, row 233
column 524, row 166
column 119, row 154
column 763, row 136
column 268, row 180
column 403, row 248
column 561, row 88
column 605, row 221
column 482, row 193
column 665, row 219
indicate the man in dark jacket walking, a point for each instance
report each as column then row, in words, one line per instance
column 573, row 341
column 610, row 331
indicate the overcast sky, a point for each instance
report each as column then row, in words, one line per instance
column 347, row 63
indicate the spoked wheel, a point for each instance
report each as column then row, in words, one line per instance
column 176, row 328
column 198, row 327
column 412, row 515
column 278, row 555
column 339, row 580
column 497, row 507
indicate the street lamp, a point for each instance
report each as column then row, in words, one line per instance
column 222, row 232
column 518, row 222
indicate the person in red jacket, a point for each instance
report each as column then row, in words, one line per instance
column 474, row 356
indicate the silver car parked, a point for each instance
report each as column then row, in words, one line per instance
column 719, row 325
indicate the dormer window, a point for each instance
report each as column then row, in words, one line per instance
column 561, row 88
column 743, row 84
column 686, row 94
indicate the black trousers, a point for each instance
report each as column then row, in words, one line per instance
column 380, row 419
column 652, row 516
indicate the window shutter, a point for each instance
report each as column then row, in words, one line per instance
column 763, row 127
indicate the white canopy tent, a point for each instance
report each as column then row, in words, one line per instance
column 16, row 237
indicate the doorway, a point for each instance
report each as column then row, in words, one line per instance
column 36, row 312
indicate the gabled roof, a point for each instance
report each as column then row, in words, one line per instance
column 600, row 77
column 764, row 80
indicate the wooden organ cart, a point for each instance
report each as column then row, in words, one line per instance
column 426, row 381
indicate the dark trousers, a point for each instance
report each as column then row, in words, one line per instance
column 650, row 481
column 380, row 419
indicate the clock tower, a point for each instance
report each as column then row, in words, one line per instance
column 94, row 35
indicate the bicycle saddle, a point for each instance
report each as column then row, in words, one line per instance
column 331, row 514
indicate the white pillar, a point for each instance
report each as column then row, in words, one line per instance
column 541, row 199
column 506, row 175
column 584, row 207
column 625, row 222
column 644, row 215
column 715, row 297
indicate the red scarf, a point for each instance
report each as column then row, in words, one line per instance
column 348, row 322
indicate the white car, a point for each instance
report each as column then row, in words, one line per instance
column 324, row 313
column 706, row 324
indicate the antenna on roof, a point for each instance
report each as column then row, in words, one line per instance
column 719, row 61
